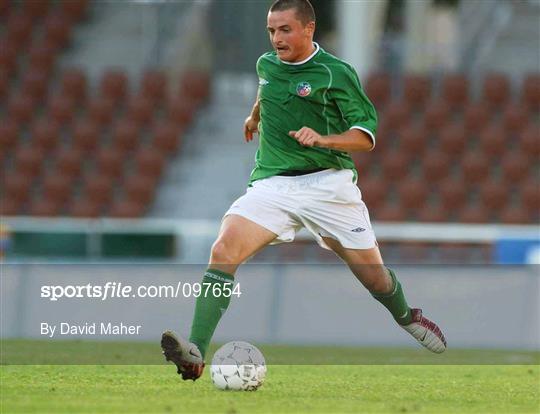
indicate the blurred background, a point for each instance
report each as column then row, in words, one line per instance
column 121, row 142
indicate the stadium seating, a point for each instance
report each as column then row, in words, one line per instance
column 449, row 147
column 454, row 153
column 72, row 147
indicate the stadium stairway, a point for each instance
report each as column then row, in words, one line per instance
column 213, row 168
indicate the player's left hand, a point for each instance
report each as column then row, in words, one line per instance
column 306, row 137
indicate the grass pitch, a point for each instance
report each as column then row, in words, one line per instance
column 288, row 389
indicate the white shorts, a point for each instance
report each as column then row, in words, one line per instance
column 327, row 203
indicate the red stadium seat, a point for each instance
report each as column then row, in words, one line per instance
column 166, row 137
column 21, row 108
column 19, row 29
column 85, row 207
column 390, row 212
column 29, row 160
column 139, row 189
column 452, row 193
column 195, row 86
column 69, row 161
column 127, row 209
column 436, row 213
column 396, row 114
column 378, row 88
column 515, row 166
column 44, row 207
column 35, row 9
column 412, row 138
column 530, row 195
column 435, row 165
column 8, row 135
column 57, row 29
column 437, row 115
column 5, row 6
column 455, row 90
column 149, row 162
column 529, row 140
column 530, row 92
column 57, row 187
column 472, row 214
column 515, row 215
column 395, row 165
column 42, row 55
column 61, row 109
column 474, row 167
column 35, row 84
column 494, row 141
column 4, row 84
column 98, row 188
column 180, row 110
column 154, row 85
column 476, row 117
column 114, row 85
column 45, row 134
column 73, row 84
column 10, row 207
column 413, row 193
column 8, row 57
column 453, row 139
column 101, row 110
column 374, row 191
column 16, row 187
column 110, row 162
column 494, row 195
column 86, row 135
column 496, row 89
column 416, row 90
column 74, row 9
column 515, row 118
column 140, row 110
column 125, row 135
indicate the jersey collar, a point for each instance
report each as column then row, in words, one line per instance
column 317, row 48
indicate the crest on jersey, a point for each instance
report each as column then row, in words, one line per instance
column 303, row 89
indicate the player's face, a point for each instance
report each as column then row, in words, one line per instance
column 292, row 40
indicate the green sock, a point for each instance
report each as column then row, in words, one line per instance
column 210, row 307
column 395, row 302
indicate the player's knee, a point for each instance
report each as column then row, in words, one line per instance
column 224, row 253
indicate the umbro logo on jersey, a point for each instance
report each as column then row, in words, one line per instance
column 303, row 89
column 358, row 230
column 263, row 82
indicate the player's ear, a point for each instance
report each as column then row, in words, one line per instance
column 310, row 28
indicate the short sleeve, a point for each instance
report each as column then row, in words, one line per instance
column 355, row 107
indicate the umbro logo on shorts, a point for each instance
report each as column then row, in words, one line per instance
column 358, row 230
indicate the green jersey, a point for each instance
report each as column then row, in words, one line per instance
column 322, row 93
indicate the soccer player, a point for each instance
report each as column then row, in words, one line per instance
column 310, row 112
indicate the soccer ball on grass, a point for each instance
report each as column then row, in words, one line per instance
column 238, row 366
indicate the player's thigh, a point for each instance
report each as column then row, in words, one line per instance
column 366, row 264
column 238, row 239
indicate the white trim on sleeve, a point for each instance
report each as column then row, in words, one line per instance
column 366, row 131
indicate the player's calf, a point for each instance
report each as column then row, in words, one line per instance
column 185, row 355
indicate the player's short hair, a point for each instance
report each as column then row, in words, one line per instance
column 304, row 10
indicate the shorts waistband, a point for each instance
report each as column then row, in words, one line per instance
column 295, row 173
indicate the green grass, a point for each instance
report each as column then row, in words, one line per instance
column 289, row 388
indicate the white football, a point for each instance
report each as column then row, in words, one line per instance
column 238, row 366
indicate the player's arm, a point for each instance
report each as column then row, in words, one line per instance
column 251, row 124
column 349, row 141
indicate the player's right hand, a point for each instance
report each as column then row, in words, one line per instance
column 251, row 126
